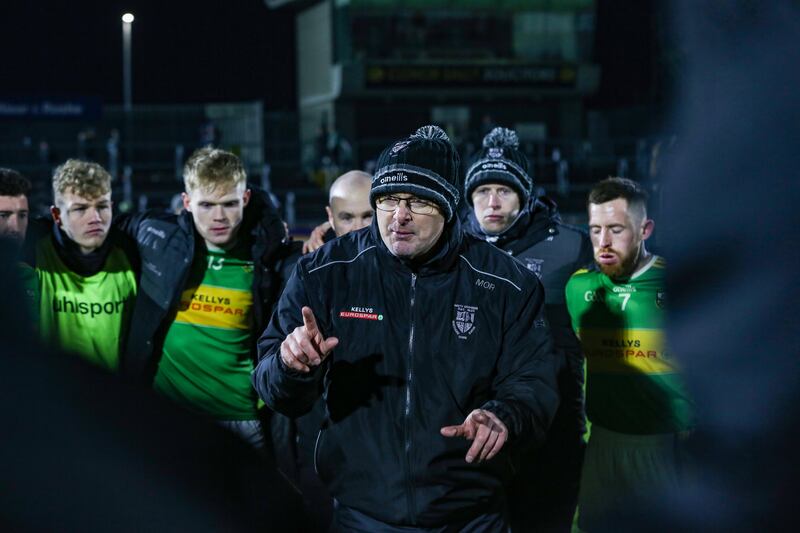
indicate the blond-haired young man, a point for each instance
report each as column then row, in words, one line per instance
column 86, row 279
column 209, row 280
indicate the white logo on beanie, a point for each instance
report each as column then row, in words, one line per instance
column 399, row 146
column 495, row 152
column 400, row 177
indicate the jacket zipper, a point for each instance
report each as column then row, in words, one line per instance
column 407, row 413
column 316, row 452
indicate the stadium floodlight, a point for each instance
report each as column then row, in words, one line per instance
column 127, row 18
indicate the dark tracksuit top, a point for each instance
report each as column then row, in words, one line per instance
column 168, row 245
column 553, row 251
column 420, row 347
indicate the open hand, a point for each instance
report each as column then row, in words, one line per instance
column 487, row 433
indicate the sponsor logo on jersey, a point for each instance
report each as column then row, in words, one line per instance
column 464, row 321
column 93, row 309
column 626, row 351
column 624, row 288
column 361, row 313
column 215, row 307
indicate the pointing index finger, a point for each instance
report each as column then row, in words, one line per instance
column 310, row 322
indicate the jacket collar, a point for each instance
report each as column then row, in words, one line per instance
column 537, row 221
column 70, row 254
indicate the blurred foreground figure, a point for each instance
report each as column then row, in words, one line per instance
column 732, row 196
column 84, row 452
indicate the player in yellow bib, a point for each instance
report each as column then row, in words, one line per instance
column 86, row 282
column 635, row 398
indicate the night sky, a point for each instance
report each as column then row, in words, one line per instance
column 182, row 51
column 238, row 50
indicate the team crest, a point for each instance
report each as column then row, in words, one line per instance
column 399, row 146
column 495, row 152
column 534, row 265
column 661, row 299
column 464, row 323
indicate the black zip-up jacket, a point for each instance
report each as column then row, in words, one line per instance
column 419, row 348
column 168, row 245
column 552, row 250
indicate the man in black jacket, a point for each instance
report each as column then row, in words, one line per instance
column 413, row 334
column 505, row 212
column 209, row 279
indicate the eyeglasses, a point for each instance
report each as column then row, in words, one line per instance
column 415, row 205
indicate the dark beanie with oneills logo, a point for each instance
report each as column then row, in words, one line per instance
column 425, row 164
column 500, row 161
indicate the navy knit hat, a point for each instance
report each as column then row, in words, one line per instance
column 500, row 161
column 425, row 164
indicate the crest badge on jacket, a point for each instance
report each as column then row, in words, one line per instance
column 464, row 321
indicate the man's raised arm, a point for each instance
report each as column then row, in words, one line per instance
column 292, row 354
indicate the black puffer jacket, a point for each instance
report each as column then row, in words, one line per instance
column 419, row 348
column 167, row 247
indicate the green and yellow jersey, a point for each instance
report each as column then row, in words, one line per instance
column 87, row 315
column 632, row 385
column 206, row 360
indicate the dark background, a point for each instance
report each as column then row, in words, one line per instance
column 227, row 51
column 182, row 51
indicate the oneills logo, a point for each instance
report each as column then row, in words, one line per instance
column 400, row 177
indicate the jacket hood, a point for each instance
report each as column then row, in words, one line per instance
column 532, row 225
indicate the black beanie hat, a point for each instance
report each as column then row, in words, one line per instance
column 500, row 161
column 425, row 164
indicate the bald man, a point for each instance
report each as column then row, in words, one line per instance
column 348, row 209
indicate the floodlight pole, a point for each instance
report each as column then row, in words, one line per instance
column 127, row 71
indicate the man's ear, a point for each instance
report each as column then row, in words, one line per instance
column 647, row 228
column 246, row 197
column 330, row 214
column 187, row 201
column 56, row 214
